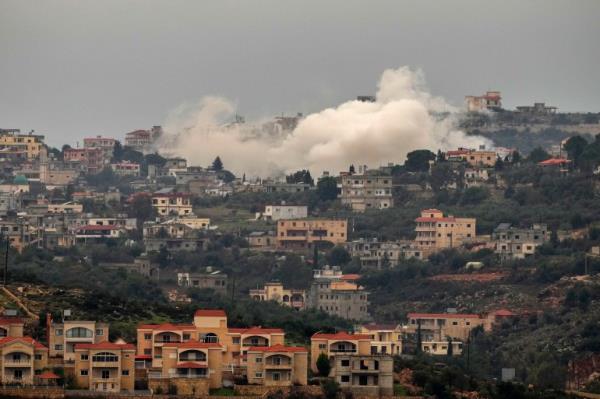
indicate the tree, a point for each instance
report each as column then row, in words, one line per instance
column 327, row 188
column 575, row 147
column 351, row 170
column 418, row 160
column 538, row 155
column 450, row 349
column 419, row 343
column 300, row 176
column 516, row 157
column 217, row 164
column 442, row 174
column 338, row 256
column 330, row 388
column 141, row 208
column 323, row 365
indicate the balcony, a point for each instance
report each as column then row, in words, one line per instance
column 278, row 366
column 342, row 350
column 17, row 362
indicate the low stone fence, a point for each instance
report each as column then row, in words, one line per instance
column 32, row 392
column 262, row 391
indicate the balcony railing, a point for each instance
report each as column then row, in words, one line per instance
column 343, row 350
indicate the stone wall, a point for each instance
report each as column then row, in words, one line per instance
column 33, row 392
column 261, row 390
column 192, row 387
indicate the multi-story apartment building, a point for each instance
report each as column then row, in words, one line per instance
column 435, row 232
column 275, row 291
column 105, row 366
column 302, row 234
column 475, row 158
column 518, row 243
column 62, row 337
column 340, row 296
column 385, row 339
column 21, row 360
column 193, row 359
column 19, row 232
column 289, row 212
column 438, row 326
column 261, row 239
column 211, row 279
column 142, row 140
column 126, row 168
column 67, row 207
column 93, row 233
column 15, row 146
column 277, row 365
column 376, row 254
column 208, row 327
column 172, row 204
column 367, row 191
column 279, row 187
column 338, row 343
column 364, row 375
column 106, row 144
column 90, row 159
column 440, row 347
column 491, row 100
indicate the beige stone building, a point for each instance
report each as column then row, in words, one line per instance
column 21, row 359
column 208, row 330
column 385, row 339
column 277, row 365
column 62, row 337
column 193, row 359
column 338, row 294
column 105, row 366
column 16, row 146
column 275, row 291
column 11, row 327
column 439, row 326
column 475, row 158
column 435, row 232
column 338, row 343
column 172, row 204
column 303, row 233
column 364, row 375
column 367, row 191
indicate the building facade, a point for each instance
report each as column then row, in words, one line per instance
column 105, row 366
column 435, row 232
column 63, row 337
column 367, row 191
column 518, row 243
column 303, row 234
column 275, row 291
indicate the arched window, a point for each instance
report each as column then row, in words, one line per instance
column 286, row 298
column 3, row 332
column 105, row 357
column 79, row 332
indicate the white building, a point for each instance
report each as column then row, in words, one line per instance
column 277, row 212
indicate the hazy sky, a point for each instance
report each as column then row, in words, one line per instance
column 70, row 69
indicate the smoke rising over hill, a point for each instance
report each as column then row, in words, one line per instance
column 404, row 117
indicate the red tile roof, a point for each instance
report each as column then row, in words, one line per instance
column 554, row 161
column 442, row 316
column 192, row 344
column 191, row 365
column 341, row 336
column 106, row 345
column 350, row 276
column 277, row 348
column 210, row 313
column 432, row 210
column 166, row 326
column 503, row 313
column 26, row 340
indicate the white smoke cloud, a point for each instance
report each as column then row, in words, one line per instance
column 404, row 117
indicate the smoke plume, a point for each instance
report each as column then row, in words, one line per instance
column 403, row 118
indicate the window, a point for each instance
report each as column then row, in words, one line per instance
column 259, row 360
column 147, row 337
column 186, row 337
column 258, row 375
column 83, row 372
column 58, row 347
column 84, row 357
column 322, row 346
column 99, row 331
column 276, row 376
column 345, row 378
column 79, row 332
column 236, row 340
column 147, row 351
column 125, row 372
column 345, row 363
column 105, row 357
column 455, row 323
column 38, row 356
column 58, row 332
column 105, row 374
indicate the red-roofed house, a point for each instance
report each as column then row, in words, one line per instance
column 105, row 366
column 277, row 365
column 555, row 162
column 385, row 339
column 21, row 359
column 435, row 232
